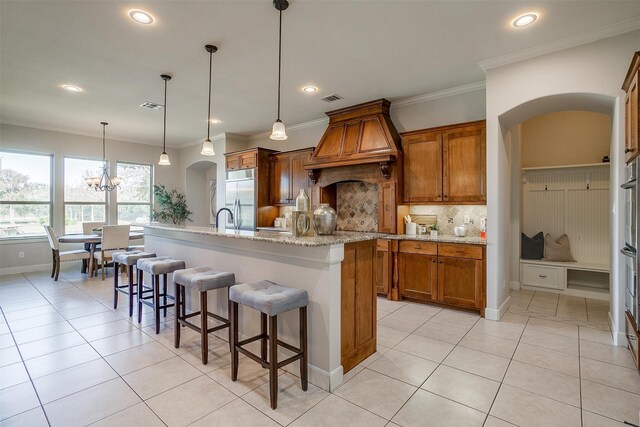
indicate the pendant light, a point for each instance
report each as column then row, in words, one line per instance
column 104, row 182
column 278, row 132
column 164, row 157
column 207, row 145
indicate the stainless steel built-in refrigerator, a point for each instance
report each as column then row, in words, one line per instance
column 630, row 249
column 240, row 198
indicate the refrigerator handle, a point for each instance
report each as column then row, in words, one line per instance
column 236, row 214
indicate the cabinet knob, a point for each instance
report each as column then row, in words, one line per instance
column 446, row 197
column 542, row 276
column 631, row 337
column 628, row 150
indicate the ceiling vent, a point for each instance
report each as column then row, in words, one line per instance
column 151, row 105
column 332, row 98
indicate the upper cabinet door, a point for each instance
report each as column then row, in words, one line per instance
column 464, row 158
column 633, row 119
column 280, row 179
column 423, row 167
column 299, row 176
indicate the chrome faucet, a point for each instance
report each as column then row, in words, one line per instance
column 218, row 214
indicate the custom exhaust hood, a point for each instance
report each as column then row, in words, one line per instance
column 362, row 134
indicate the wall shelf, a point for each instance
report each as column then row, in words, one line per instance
column 586, row 165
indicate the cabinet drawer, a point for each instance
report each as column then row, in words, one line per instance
column 248, row 160
column 383, row 245
column 460, row 251
column 632, row 338
column 543, row 276
column 414, row 247
column 233, row 163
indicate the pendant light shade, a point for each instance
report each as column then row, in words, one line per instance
column 278, row 132
column 207, row 145
column 164, row 157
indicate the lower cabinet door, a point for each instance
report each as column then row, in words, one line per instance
column 383, row 267
column 460, row 282
column 417, row 276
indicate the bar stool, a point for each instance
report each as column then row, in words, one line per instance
column 129, row 259
column 202, row 280
column 270, row 300
column 156, row 267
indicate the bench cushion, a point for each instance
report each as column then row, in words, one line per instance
column 131, row 257
column 204, row 279
column 160, row 265
column 268, row 297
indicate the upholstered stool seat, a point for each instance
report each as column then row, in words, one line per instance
column 270, row 299
column 156, row 267
column 201, row 280
column 128, row 259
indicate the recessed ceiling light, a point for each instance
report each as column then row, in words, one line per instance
column 72, row 88
column 215, row 121
column 524, row 20
column 141, row 16
column 309, row 89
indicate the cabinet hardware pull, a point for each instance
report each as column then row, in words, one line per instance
column 631, row 337
column 627, row 150
column 542, row 276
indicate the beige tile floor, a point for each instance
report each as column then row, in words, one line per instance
column 68, row 359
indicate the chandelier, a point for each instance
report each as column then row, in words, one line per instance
column 104, row 182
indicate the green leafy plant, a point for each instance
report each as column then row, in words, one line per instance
column 433, row 227
column 173, row 206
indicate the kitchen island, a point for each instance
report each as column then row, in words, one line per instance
column 337, row 272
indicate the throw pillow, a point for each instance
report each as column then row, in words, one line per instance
column 557, row 250
column 532, row 247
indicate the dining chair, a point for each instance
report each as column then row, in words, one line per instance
column 115, row 238
column 87, row 227
column 58, row 257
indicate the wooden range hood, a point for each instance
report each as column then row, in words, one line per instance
column 357, row 135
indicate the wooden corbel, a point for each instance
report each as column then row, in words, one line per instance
column 385, row 169
column 313, row 176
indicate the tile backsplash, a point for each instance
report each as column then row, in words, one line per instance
column 450, row 216
column 357, row 206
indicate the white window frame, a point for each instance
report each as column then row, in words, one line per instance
column 151, row 179
column 65, row 203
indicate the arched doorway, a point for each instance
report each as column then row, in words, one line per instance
column 200, row 190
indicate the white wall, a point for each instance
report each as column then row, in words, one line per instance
column 596, row 68
column 59, row 144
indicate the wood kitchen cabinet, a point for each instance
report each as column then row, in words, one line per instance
column 288, row 176
column 630, row 86
column 384, row 266
column 460, row 276
column 241, row 160
column 446, row 164
column 417, row 270
column 358, row 303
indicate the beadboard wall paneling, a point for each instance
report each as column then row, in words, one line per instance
column 572, row 201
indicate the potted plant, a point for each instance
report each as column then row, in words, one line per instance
column 433, row 230
column 173, row 206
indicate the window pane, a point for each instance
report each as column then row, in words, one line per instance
column 75, row 187
column 25, row 177
column 136, row 183
column 128, row 214
column 75, row 215
column 23, row 220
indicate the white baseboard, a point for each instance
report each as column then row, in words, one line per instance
column 514, row 285
column 496, row 314
column 25, row 269
column 619, row 337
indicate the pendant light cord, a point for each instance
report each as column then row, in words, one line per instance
column 279, row 61
column 103, row 146
column 164, row 123
column 209, row 110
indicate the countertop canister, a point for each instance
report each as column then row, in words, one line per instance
column 325, row 219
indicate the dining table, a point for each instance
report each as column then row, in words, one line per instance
column 91, row 241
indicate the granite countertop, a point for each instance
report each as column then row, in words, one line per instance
column 339, row 237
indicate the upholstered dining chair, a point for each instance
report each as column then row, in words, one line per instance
column 87, row 227
column 58, row 257
column 115, row 238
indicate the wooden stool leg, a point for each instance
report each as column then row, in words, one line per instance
column 263, row 341
column 273, row 361
column 204, row 335
column 115, row 287
column 164, row 299
column 303, row 347
column 130, row 290
column 183, row 298
column 234, row 336
column 155, row 279
column 140, row 288
column 176, row 323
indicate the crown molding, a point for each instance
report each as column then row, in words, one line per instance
column 78, row 133
column 303, row 125
column 562, row 44
column 458, row 90
column 216, row 137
